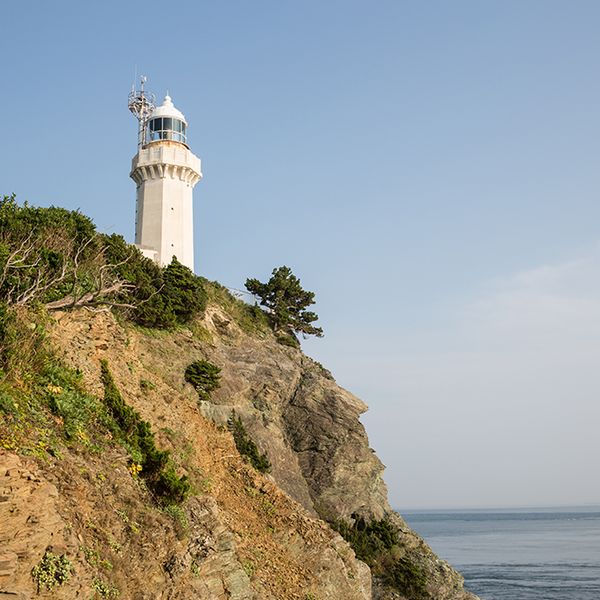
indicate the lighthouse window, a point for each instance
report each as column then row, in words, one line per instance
column 166, row 128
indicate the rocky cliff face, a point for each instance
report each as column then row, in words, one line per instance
column 243, row 535
column 308, row 425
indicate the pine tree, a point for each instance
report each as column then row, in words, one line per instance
column 183, row 291
column 287, row 302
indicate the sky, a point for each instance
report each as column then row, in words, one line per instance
column 429, row 169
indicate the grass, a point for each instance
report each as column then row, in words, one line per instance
column 80, row 412
column 250, row 318
column 48, row 409
column 201, row 333
column 180, row 519
column 146, row 385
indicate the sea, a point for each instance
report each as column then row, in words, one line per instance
column 518, row 554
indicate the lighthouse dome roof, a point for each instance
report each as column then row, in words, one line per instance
column 167, row 109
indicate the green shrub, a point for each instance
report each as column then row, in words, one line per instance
column 406, row 576
column 171, row 488
column 74, row 410
column 374, row 542
column 152, row 460
column 368, row 539
column 125, row 417
column 84, row 418
column 55, row 257
column 22, row 343
column 137, row 436
column 163, row 298
column 147, row 306
column 7, row 332
column 245, row 446
column 66, row 399
column 204, row 376
column 51, row 571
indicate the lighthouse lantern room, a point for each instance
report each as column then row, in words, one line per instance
column 165, row 172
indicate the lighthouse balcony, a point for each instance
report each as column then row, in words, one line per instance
column 162, row 160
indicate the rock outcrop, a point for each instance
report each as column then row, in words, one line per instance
column 297, row 414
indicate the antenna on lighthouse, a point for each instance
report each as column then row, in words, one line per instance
column 141, row 103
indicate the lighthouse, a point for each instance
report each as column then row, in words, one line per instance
column 165, row 172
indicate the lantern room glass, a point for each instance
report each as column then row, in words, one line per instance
column 167, row 128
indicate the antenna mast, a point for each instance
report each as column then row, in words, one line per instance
column 141, row 104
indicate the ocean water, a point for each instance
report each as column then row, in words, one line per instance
column 532, row 554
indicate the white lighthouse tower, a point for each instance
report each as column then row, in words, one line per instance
column 165, row 172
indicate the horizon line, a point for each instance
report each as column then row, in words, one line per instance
column 492, row 508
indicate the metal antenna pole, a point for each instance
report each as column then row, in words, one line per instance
column 141, row 104
column 142, row 120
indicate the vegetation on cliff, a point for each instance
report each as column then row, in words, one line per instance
column 44, row 403
column 55, row 258
column 136, row 435
column 246, row 447
column 204, row 376
column 286, row 302
column 376, row 542
column 45, row 406
column 51, row 571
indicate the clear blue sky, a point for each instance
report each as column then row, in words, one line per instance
column 430, row 169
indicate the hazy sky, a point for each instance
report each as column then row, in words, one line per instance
column 429, row 169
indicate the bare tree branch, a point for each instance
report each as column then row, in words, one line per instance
column 93, row 298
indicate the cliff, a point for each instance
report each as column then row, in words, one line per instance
column 241, row 534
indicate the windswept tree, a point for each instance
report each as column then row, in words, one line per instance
column 287, row 302
column 53, row 257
